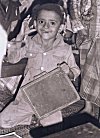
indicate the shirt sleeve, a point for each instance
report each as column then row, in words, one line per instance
column 15, row 54
column 70, row 60
column 15, row 51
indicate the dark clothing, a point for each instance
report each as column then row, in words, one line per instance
column 9, row 13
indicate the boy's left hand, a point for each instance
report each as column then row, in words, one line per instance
column 65, row 68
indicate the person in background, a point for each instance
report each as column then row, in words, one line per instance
column 9, row 13
column 90, row 63
column 84, row 20
column 86, row 12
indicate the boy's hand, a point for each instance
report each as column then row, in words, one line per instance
column 64, row 67
column 66, row 70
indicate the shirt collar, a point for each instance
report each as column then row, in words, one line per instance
column 58, row 41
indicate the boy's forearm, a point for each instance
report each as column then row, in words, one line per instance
column 15, row 55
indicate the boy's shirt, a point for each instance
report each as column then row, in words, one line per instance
column 40, row 60
column 34, row 51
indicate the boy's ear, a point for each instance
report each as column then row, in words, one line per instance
column 61, row 28
column 34, row 23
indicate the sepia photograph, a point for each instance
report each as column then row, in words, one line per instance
column 49, row 68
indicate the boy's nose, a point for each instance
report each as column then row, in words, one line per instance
column 46, row 25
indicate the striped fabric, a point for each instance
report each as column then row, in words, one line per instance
column 84, row 48
column 73, row 9
column 90, row 86
column 90, row 63
column 8, row 87
column 93, row 29
column 10, row 82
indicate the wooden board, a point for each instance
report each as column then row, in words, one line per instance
column 50, row 93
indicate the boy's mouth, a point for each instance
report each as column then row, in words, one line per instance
column 45, row 31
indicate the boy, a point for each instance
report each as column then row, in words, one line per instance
column 44, row 51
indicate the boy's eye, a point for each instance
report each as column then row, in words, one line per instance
column 40, row 21
column 53, row 23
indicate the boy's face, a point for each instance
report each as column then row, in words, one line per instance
column 48, row 24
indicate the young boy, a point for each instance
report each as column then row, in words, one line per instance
column 44, row 51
